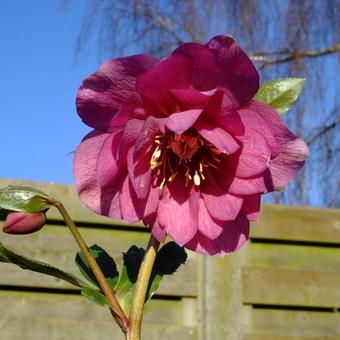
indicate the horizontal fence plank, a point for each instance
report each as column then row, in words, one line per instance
column 286, row 337
column 275, row 286
column 42, row 316
column 279, row 222
column 276, row 222
column 67, row 195
column 294, row 257
column 293, row 323
column 55, row 245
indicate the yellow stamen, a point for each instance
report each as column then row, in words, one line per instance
column 171, row 178
column 162, row 184
column 202, row 175
column 197, row 179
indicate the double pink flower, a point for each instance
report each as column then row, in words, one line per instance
column 179, row 144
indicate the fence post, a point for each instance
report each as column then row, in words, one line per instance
column 220, row 297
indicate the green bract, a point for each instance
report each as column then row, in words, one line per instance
column 281, row 93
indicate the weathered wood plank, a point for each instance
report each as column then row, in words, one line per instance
column 298, row 324
column 276, row 222
column 294, row 257
column 44, row 316
column 55, row 245
column 297, row 223
column 220, row 297
column 67, row 195
column 291, row 287
column 283, row 337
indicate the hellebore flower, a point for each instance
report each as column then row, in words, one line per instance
column 23, row 223
column 179, row 144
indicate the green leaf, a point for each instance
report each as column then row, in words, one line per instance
column 124, row 289
column 94, row 295
column 104, row 261
column 23, row 262
column 281, row 93
column 168, row 259
column 23, row 199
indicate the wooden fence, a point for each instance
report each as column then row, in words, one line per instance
column 284, row 285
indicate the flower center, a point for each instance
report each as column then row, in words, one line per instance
column 187, row 154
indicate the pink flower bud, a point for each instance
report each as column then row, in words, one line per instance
column 23, row 223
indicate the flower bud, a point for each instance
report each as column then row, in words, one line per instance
column 23, row 223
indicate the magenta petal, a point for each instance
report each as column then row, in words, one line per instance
column 178, row 211
column 235, row 234
column 131, row 132
column 253, row 121
column 140, row 172
column 181, row 121
column 206, row 224
column 18, row 223
column 253, row 157
column 221, row 63
column 146, row 137
column 220, row 204
column 108, row 167
column 153, row 86
column 158, row 232
column 220, row 138
column 189, row 98
column 251, row 207
column 132, row 207
column 103, row 201
column 293, row 150
column 102, row 93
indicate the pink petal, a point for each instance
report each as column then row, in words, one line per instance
column 140, row 172
column 178, row 211
column 253, row 121
column 108, row 167
column 253, row 157
column 101, row 95
column 132, row 207
column 103, row 201
column 220, row 204
column 181, row 121
column 221, row 63
column 131, row 132
column 220, row 138
column 293, row 150
column 235, row 234
column 146, row 137
column 18, row 223
column 251, row 207
column 237, row 186
column 206, row 224
column 189, row 98
column 172, row 72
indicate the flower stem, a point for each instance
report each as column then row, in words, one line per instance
column 136, row 313
column 116, row 309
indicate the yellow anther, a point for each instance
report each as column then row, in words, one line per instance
column 162, row 184
column 156, row 153
column 197, row 179
column 171, row 178
column 202, row 175
column 201, row 167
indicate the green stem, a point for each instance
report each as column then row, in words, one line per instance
column 117, row 312
column 136, row 313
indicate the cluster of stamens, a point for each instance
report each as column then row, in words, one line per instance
column 189, row 151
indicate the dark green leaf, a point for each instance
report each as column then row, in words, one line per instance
column 94, row 295
column 23, row 199
column 168, row 259
column 124, row 289
column 281, row 93
column 23, row 262
column 104, row 261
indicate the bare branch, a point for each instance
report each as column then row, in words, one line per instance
column 321, row 131
column 292, row 55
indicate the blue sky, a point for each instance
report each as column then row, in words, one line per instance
column 39, row 81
